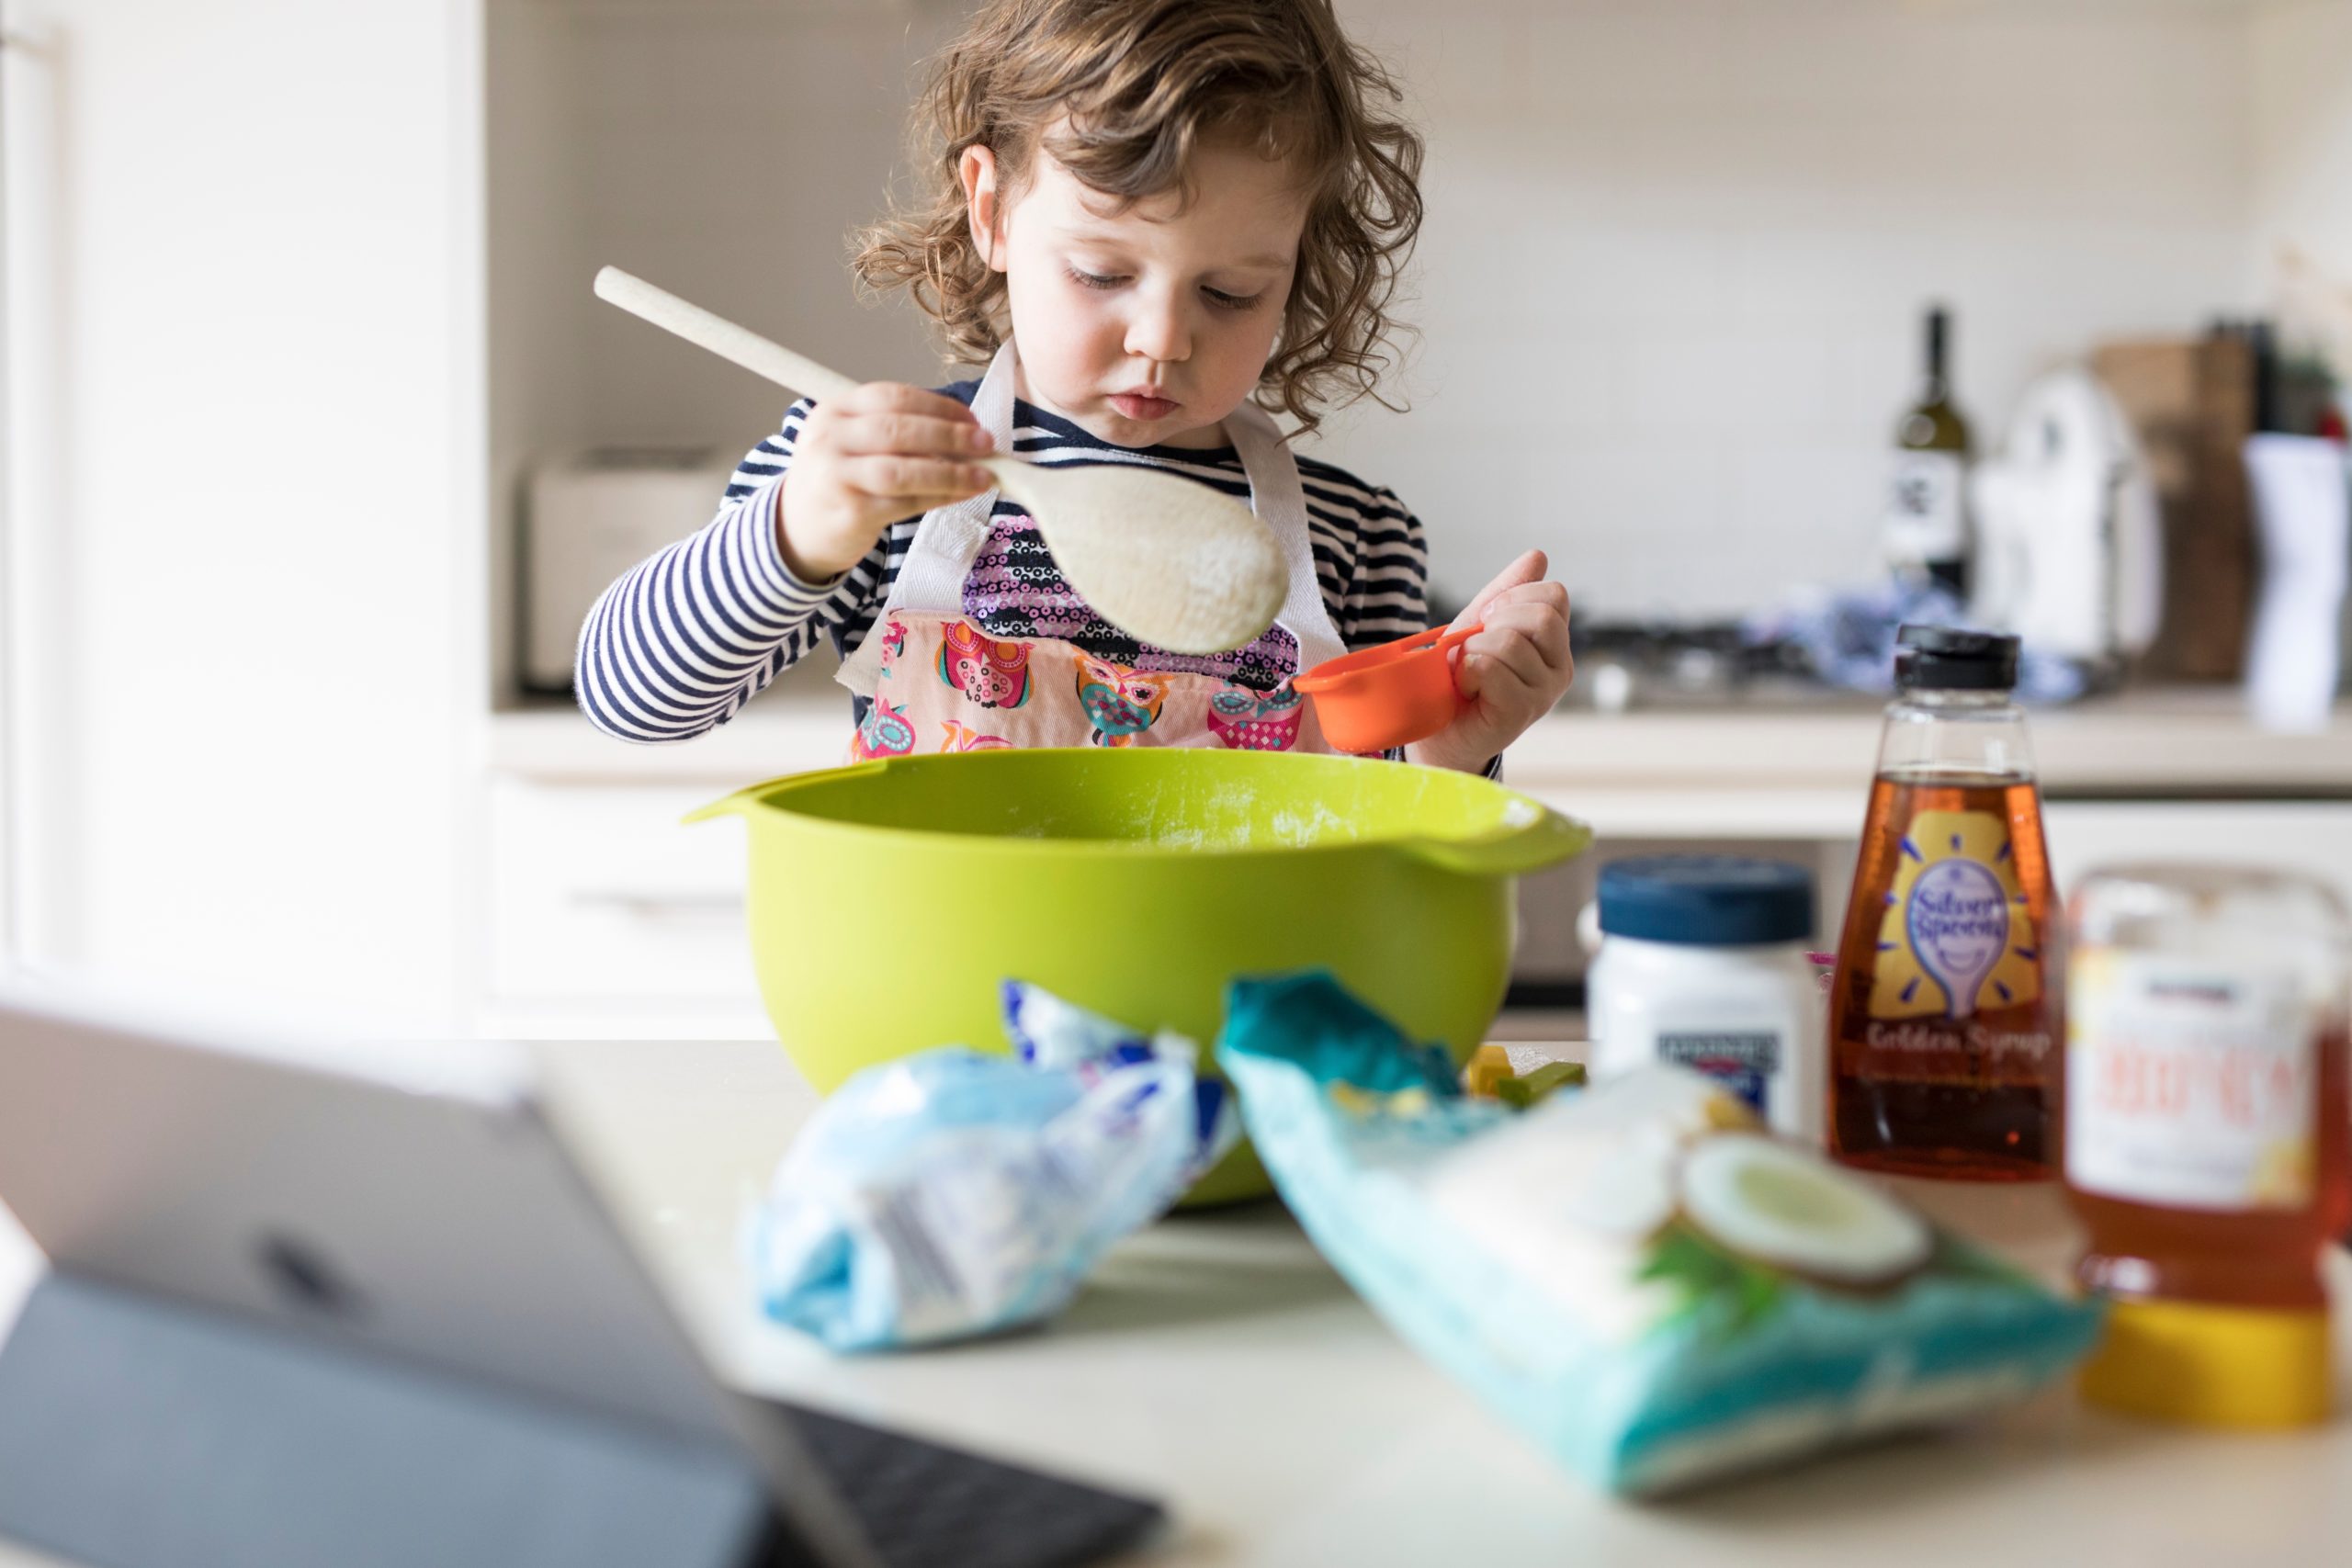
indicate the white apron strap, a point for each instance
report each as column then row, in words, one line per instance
column 1280, row 502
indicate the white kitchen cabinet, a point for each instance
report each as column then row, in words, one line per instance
column 602, row 893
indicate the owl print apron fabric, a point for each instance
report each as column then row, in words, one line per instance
column 938, row 679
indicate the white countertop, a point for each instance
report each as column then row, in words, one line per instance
column 2163, row 741
column 1217, row 1362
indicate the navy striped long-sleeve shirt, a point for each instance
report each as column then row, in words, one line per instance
column 681, row 641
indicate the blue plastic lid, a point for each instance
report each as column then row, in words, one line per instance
column 1706, row 900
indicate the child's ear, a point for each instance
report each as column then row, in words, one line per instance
column 983, row 206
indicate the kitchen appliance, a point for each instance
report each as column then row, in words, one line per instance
column 589, row 517
column 1134, row 882
column 1624, row 664
column 2069, row 548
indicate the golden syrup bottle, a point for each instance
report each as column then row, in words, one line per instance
column 2207, row 1118
column 1946, row 1032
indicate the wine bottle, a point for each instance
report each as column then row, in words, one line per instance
column 1926, row 528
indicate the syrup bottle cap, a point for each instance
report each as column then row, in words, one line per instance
column 2213, row 1365
column 1944, row 658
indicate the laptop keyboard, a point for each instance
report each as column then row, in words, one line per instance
column 927, row 1506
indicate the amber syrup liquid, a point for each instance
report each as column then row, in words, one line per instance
column 2265, row 1257
column 1967, row 1091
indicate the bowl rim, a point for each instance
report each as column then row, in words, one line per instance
column 1516, row 812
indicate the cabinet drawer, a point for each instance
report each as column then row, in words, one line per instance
column 598, row 891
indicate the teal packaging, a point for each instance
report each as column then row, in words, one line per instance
column 1645, row 1283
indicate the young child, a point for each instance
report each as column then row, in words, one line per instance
column 1155, row 219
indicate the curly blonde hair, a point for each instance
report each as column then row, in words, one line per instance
column 1120, row 92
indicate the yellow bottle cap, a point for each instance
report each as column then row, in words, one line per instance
column 2220, row 1366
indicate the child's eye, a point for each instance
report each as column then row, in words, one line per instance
column 1225, row 301
column 1092, row 280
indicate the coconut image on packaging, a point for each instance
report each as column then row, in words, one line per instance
column 1638, row 1277
column 1780, row 1208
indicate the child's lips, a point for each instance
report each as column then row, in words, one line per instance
column 1142, row 407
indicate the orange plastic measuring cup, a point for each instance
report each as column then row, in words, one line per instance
column 1391, row 695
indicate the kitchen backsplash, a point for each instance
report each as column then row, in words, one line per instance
column 1669, row 287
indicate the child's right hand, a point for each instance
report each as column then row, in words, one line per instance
column 878, row 453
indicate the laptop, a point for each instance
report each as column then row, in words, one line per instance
column 421, row 1207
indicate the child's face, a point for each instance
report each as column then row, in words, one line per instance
column 1146, row 326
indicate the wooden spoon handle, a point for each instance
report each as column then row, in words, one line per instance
column 721, row 336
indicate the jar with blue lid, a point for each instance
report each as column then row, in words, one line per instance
column 1702, row 963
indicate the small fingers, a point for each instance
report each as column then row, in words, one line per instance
column 930, row 481
column 1526, row 570
column 1538, row 626
column 1517, row 655
column 1547, row 595
column 1499, row 687
column 896, row 397
column 892, row 417
column 902, row 434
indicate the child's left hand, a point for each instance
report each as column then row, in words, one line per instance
column 1512, row 672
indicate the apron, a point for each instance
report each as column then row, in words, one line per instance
column 936, row 681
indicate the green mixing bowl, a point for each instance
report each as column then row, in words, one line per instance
column 890, row 900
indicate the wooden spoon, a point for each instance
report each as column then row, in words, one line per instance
column 1169, row 560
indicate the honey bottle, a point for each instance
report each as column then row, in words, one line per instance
column 2207, row 1126
column 1945, row 1035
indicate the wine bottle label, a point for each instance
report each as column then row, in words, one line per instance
column 1925, row 517
column 2189, row 1085
column 1956, row 938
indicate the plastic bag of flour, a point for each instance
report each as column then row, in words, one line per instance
column 1635, row 1275
column 954, row 1192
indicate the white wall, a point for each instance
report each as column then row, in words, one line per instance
column 1676, row 252
column 249, row 488
column 721, row 150
column 2303, row 190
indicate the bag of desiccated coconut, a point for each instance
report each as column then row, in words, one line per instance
column 1635, row 1275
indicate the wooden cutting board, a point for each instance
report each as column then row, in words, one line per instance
column 2191, row 401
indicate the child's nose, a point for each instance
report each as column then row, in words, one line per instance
column 1159, row 331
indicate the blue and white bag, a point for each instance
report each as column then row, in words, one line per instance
column 953, row 1192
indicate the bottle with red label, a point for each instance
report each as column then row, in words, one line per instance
column 2206, row 1141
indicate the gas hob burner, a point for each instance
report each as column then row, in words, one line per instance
column 1624, row 664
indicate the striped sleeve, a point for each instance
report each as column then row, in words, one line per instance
column 1386, row 595
column 683, row 639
